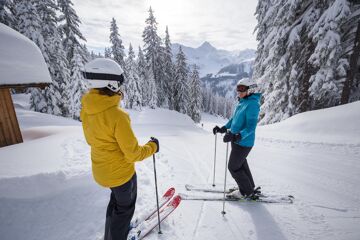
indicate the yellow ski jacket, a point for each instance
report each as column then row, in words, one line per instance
column 114, row 147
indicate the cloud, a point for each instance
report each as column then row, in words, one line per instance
column 227, row 24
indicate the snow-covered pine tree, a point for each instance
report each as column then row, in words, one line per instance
column 117, row 48
column 325, row 83
column 133, row 93
column 6, row 16
column 195, row 96
column 154, row 53
column 107, row 52
column 299, row 55
column 78, row 84
column 57, row 94
column 28, row 23
column 151, row 91
column 351, row 46
column 93, row 55
column 143, row 82
column 181, row 86
column 69, row 28
column 76, row 54
column 85, row 53
column 168, row 70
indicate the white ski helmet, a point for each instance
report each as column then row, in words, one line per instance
column 104, row 72
column 249, row 83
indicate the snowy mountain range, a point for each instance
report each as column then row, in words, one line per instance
column 210, row 59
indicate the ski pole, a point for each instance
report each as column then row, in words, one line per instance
column 214, row 161
column 226, row 163
column 157, row 195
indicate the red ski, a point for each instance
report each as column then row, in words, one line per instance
column 148, row 225
column 148, row 214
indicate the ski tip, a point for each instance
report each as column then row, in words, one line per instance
column 175, row 201
column 188, row 186
column 169, row 192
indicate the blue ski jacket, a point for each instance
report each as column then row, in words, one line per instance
column 245, row 119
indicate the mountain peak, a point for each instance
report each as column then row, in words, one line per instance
column 206, row 46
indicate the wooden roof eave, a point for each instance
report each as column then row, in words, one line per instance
column 27, row 85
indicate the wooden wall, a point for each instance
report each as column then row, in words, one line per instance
column 9, row 126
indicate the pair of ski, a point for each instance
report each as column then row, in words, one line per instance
column 264, row 198
column 145, row 223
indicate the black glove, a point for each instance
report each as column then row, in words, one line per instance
column 230, row 137
column 217, row 129
column 156, row 141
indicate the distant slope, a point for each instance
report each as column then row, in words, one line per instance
column 223, row 83
column 210, row 59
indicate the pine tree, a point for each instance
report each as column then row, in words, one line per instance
column 57, row 95
column 70, row 28
column 351, row 45
column 78, row 84
column 28, row 23
column 151, row 91
column 325, row 85
column 143, row 81
column 6, row 15
column 181, row 86
column 195, row 96
column 299, row 62
column 117, row 48
column 168, row 70
column 154, row 52
column 133, row 93
column 85, row 53
column 107, row 52
column 76, row 54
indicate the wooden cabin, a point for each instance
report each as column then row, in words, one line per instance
column 21, row 66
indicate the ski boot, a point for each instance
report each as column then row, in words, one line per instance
column 236, row 194
column 133, row 234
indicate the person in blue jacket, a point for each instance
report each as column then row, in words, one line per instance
column 240, row 131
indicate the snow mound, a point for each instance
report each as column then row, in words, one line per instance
column 336, row 125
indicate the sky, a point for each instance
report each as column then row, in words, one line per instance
column 226, row 24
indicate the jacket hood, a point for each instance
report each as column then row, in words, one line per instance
column 93, row 102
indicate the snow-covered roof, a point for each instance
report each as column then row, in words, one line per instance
column 21, row 61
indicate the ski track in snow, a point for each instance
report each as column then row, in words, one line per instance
column 67, row 204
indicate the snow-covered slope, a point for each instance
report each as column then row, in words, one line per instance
column 336, row 125
column 47, row 190
column 224, row 82
column 211, row 60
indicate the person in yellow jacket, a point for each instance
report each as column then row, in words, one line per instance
column 114, row 147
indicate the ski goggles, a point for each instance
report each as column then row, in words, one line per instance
column 242, row 88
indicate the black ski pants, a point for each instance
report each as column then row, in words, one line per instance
column 240, row 170
column 120, row 210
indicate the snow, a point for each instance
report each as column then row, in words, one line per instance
column 336, row 125
column 211, row 60
column 47, row 190
column 21, row 61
